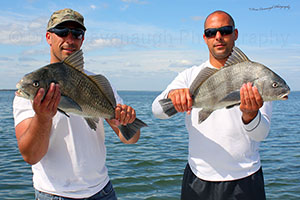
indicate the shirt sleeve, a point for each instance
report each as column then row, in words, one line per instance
column 119, row 100
column 258, row 129
column 22, row 109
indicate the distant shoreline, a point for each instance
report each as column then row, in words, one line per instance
column 117, row 90
column 125, row 90
column 8, row 90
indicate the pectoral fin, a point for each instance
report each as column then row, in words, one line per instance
column 92, row 122
column 232, row 97
column 231, row 106
column 203, row 115
column 66, row 103
column 63, row 112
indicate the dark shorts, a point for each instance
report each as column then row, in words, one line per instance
column 107, row 193
column 249, row 188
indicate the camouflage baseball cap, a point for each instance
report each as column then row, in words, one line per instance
column 65, row 15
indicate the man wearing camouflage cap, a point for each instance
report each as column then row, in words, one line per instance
column 67, row 157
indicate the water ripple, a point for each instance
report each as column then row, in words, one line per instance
column 152, row 169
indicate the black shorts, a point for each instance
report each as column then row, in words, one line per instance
column 249, row 188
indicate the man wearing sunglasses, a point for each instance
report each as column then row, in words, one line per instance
column 67, row 156
column 223, row 160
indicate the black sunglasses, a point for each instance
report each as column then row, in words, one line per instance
column 64, row 31
column 224, row 30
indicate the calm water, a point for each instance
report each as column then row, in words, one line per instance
column 153, row 168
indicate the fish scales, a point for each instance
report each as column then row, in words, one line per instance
column 220, row 86
column 75, row 83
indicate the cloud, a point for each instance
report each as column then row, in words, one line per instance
column 143, row 36
column 27, row 59
column 181, row 64
column 35, row 52
column 197, row 18
column 20, row 30
column 104, row 43
column 5, row 59
column 125, row 7
column 147, row 61
column 93, row 7
column 134, row 1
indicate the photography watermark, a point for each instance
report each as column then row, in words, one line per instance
column 281, row 7
column 267, row 39
column 158, row 39
column 28, row 38
column 27, row 33
column 181, row 38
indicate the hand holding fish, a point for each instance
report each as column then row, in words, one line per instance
column 251, row 102
column 46, row 108
column 181, row 99
column 124, row 114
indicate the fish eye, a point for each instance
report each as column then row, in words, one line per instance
column 275, row 85
column 36, row 84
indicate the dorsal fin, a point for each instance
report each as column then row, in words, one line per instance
column 75, row 60
column 237, row 56
column 105, row 87
column 201, row 77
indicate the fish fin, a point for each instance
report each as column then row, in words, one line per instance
column 237, row 56
column 92, row 122
column 63, row 112
column 75, row 60
column 130, row 130
column 231, row 106
column 201, row 77
column 68, row 103
column 203, row 115
column 167, row 107
column 105, row 87
column 232, row 96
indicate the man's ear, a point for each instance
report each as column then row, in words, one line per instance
column 82, row 40
column 48, row 38
column 236, row 34
column 205, row 38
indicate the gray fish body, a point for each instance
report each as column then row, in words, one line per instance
column 223, row 87
column 88, row 96
column 214, row 88
column 82, row 90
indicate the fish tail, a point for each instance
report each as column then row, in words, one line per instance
column 130, row 130
column 168, row 107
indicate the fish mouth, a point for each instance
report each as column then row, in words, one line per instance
column 20, row 92
column 284, row 96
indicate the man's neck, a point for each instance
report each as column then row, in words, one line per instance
column 53, row 58
column 217, row 63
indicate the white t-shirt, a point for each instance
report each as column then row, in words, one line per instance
column 74, row 165
column 222, row 148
